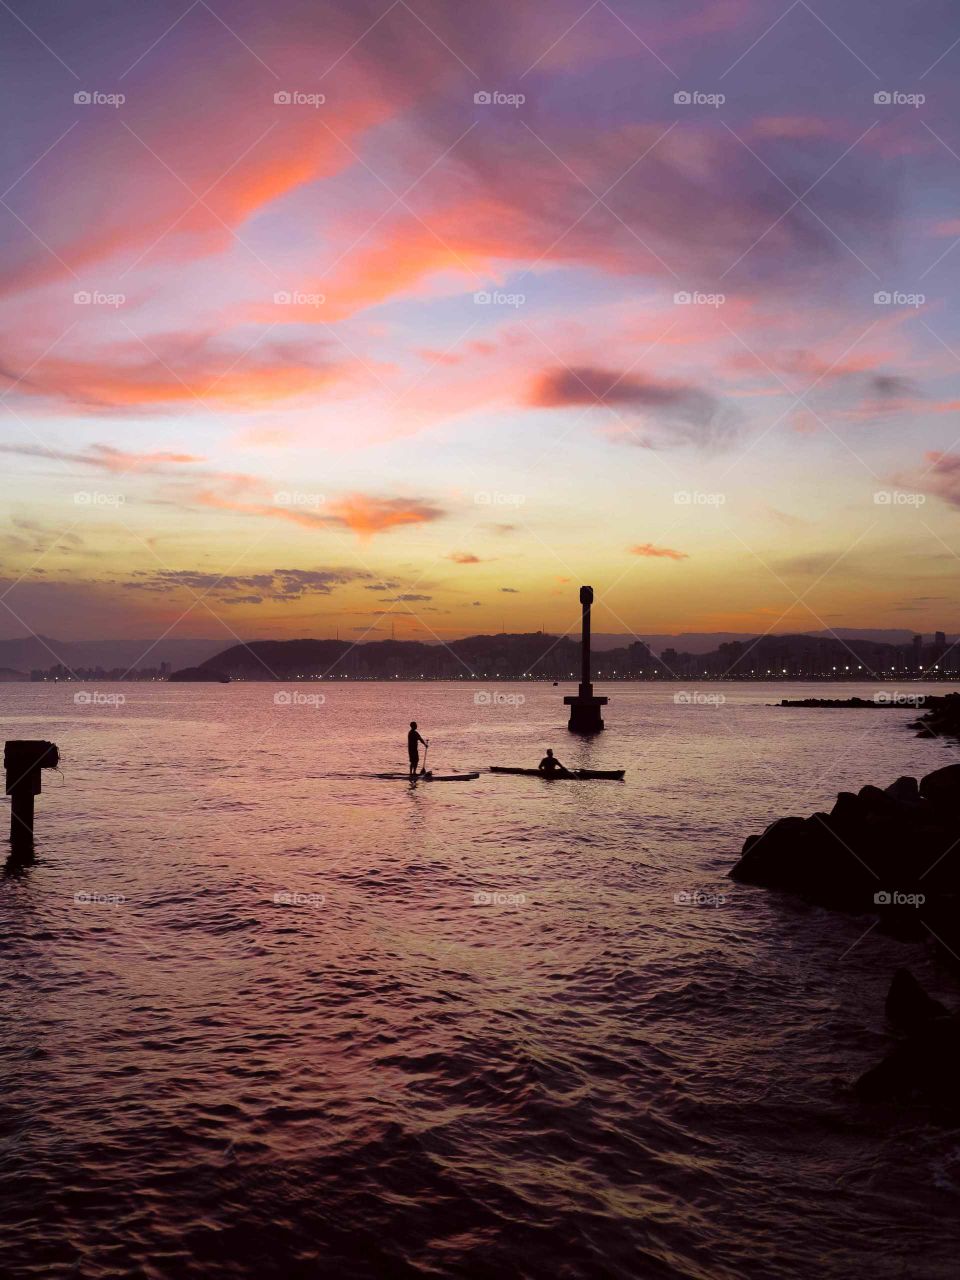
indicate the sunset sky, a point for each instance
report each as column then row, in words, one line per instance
column 249, row 389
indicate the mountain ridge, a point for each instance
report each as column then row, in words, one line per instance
column 541, row 655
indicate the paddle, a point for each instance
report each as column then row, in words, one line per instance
column 426, row 748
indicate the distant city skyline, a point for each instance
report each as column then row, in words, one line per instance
column 539, row 656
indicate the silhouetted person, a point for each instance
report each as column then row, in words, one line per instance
column 413, row 747
column 550, row 764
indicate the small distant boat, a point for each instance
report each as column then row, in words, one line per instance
column 611, row 775
column 224, row 680
column 429, row 777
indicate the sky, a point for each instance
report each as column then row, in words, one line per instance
column 379, row 318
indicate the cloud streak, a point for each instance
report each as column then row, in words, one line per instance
column 651, row 552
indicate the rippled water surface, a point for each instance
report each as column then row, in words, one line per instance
column 339, row 1026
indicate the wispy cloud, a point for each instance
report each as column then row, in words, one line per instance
column 648, row 550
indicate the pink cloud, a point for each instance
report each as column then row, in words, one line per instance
column 181, row 368
column 106, row 458
column 941, row 477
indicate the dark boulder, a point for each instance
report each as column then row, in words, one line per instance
column 908, row 1006
column 942, row 788
column 811, row 857
column 904, row 789
column 847, row 808
column 786, row 856
column 941, row 717
column 924, row 1069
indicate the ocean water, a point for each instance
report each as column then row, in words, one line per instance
column 264, row 1015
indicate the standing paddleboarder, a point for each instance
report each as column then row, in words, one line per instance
column 413, row 743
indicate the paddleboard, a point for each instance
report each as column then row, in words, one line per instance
column 429, row 777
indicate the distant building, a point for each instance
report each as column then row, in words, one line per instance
column 639, row 657
column 918, row 653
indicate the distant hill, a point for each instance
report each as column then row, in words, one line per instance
column 486, row 656
column 8, row 675
column 29, row 653
column 707, row 641
column 544, row 656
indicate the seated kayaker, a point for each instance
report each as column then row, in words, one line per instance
column 550, row 764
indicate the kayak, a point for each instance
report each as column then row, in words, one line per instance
column 611, row 774
column 429, row 777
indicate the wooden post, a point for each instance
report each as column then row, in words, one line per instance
column 23, row 760
column 21, row 814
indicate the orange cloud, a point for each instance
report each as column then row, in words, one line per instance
column 463, row 557
column 665, row 553
column 361, row 513
column 366, row 515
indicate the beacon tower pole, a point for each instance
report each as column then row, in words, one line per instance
column 584, row 707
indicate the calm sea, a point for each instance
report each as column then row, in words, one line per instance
column 263, row 1015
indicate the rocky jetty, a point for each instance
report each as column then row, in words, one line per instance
column 896, row 701
column 941, row 718
column 893, row 853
